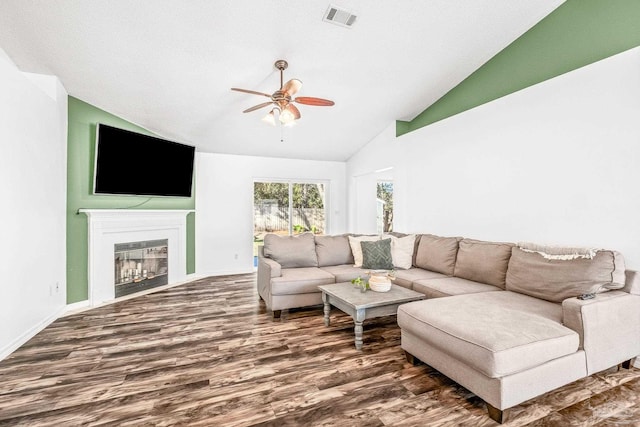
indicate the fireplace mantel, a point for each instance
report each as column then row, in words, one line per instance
column 135, row 212
column 108, row 227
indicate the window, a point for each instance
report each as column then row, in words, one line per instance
column 384, row 212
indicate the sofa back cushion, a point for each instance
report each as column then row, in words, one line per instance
column 333, row 250
column 484, row 262
column 437, row 253
column 291, row 251
column 533, row 274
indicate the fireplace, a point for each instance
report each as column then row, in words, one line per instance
column 115, row 230
column 140, row 266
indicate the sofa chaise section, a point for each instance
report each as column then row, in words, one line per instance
column 534, row 336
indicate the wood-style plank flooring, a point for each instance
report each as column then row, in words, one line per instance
column 207, row 353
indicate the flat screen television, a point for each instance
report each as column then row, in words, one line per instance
column 130, row 163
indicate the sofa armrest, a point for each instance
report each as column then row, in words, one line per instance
column 632, row 283
column 268, row 265
column 608, row 325
column 267, row 268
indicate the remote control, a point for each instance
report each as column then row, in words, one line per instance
column 586, row 296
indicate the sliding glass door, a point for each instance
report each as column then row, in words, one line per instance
column 287, row 208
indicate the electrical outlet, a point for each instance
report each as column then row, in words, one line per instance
column 235, row 256
column 57, row 287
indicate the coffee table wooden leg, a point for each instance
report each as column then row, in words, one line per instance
column 358, row 328
column 327, row 309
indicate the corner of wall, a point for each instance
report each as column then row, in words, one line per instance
column 402, row 127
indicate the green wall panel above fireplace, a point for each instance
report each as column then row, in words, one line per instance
column 577, row 33
column 83, row 118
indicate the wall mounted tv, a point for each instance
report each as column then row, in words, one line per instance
column 130, row 163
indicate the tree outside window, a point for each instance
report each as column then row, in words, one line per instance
column 385, row 194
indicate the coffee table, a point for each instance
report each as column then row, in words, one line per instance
column 364, row 305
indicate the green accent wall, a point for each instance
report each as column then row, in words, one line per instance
column 83, row 119
column 577, row 33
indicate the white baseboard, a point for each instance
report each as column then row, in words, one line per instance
column 76, row 307
column 226, row 272
column 22, row 339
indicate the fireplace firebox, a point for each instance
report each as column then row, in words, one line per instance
column 140, row 266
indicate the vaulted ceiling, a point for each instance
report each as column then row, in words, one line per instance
column 169, row 65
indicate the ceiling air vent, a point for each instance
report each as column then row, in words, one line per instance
column 339, row 16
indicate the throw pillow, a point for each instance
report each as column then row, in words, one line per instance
column 402, row 249
column 356, row 249
column 376, row 255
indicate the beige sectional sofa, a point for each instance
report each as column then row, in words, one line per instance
column 501, row 319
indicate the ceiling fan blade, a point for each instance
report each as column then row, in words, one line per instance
column 308, row 100
column 257, row 107
column 292, row 87
column 294, row 110
column 253, row 92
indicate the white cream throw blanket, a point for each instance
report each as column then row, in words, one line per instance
column 558, row 252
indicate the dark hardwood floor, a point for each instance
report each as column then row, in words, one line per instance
column 207, row 353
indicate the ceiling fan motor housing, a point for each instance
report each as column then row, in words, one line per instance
column 281, row 98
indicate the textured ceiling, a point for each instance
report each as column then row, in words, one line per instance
column 168, row 65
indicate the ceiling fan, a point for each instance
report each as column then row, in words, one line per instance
column 283, row 100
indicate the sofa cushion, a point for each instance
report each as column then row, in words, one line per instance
column 300, row 281
column 346, row 273
column 487, row 334
column 405, row 278
column 333, row 250
column 555, row 280
column 569, row 253
column 402, row 250
column 484, row 262
column 437, row 253
column 377, row 255
column 291, row 251
column 356, row 249
column 447, row 286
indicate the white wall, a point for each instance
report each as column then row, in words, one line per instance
column 224, row 204
column 557, row 163
column 33, row 159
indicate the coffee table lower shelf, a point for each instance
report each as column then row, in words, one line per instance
column 364, row 305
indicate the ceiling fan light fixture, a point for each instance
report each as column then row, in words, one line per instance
column 270, row 118
column 287, row 117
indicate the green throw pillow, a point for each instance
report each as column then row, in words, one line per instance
column 376, row 255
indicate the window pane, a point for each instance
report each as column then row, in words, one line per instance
column 385, row 207
column 308, row 208
column 270, row 211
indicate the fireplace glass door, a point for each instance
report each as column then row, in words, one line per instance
column 140, row 266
